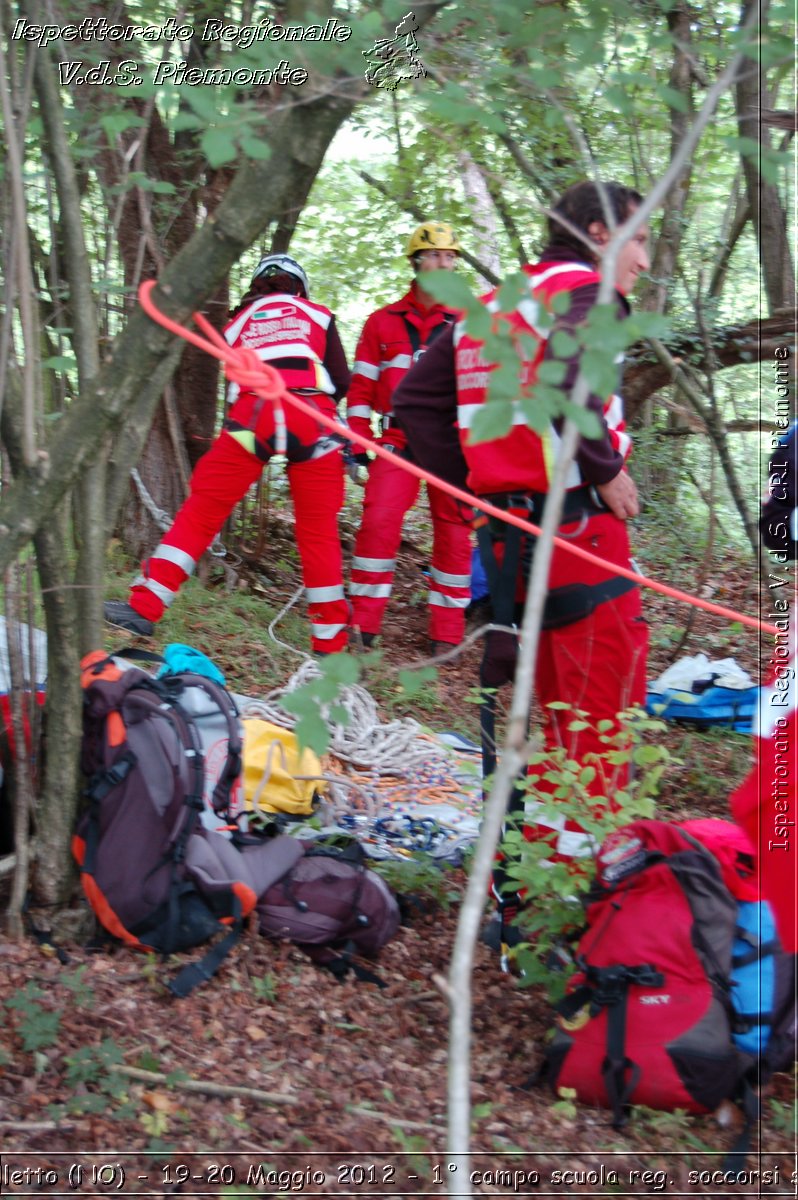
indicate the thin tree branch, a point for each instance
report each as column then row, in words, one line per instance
column 715, row 428
column 419, row 215
column 205, row 1087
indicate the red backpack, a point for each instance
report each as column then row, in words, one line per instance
column 647, row 1018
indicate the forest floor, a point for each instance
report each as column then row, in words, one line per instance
column 339, row 1088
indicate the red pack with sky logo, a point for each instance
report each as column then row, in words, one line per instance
column 647, row 1018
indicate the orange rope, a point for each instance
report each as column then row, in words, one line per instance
column 245, row 368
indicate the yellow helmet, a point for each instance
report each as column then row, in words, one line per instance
column 432, row 235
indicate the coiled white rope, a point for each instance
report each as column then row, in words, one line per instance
column 365, row 743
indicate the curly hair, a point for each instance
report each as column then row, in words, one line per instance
column 282, row 283
column 583, row 203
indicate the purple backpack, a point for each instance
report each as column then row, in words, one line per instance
column 332, row 906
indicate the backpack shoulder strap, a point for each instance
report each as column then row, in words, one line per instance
column 227, row 706
column 195, row 973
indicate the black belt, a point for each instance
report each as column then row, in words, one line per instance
column 578, row 502
column 564, row 605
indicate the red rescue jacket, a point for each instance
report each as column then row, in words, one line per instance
column 291, row 334
column 524, row 460
column 393, row 338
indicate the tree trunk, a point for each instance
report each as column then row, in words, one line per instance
column 770, row 220
column 54, row 871
column 54, row 812
column 666, row 251
column 645, row 373
column 142, row 357
column 483, row 210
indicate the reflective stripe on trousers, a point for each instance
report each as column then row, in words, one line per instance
column 389, row 493
column 220, row 479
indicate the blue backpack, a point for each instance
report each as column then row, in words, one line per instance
column 762, row 989
column 761, row 982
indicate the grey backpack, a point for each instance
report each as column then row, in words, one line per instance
column 162, row 861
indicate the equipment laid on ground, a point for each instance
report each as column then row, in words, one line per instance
column 164, row 862
column 705, row 693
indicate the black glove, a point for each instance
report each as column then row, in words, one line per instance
column 499, row 659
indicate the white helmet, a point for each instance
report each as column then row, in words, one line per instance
column 281, row 264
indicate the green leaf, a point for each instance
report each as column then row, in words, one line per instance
column 312, row 734
column 618, row 97
column 450, row 289
column 60, row 362
column 646, row 755
column 302, row 702
column 176, row 1077
column 647, row 324
column 604, row 331
column 341, row 669
column 478, row 322
column 185, row 120
column 536, row 415
column 512, row 289
column 672, row 98
column 552, row 371
column 586, row 421
column 494, row 420
column 548, row 403
column 503, row 383
column 563, row 345
column 23, row 997
column 218, row 147
column 498, row 347
column 254, row 148
column 40, row 1029
column 203, row 101
column 600, row 372
column 118, row 122
column 413, row 683
column 560, row 303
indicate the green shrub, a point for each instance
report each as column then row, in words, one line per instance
column 553, row 892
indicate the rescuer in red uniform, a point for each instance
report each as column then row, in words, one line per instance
column 300, row 339
column 393, row 338
column 593, row 646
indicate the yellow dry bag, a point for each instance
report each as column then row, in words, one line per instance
column 272, row 763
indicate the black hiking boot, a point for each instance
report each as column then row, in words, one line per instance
column 438, row 649
column 124, row 616
column 358, row 642
column 491, row 933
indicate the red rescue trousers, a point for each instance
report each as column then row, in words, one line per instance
column 596, row 665
column 222, row 478
column 390, row 492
